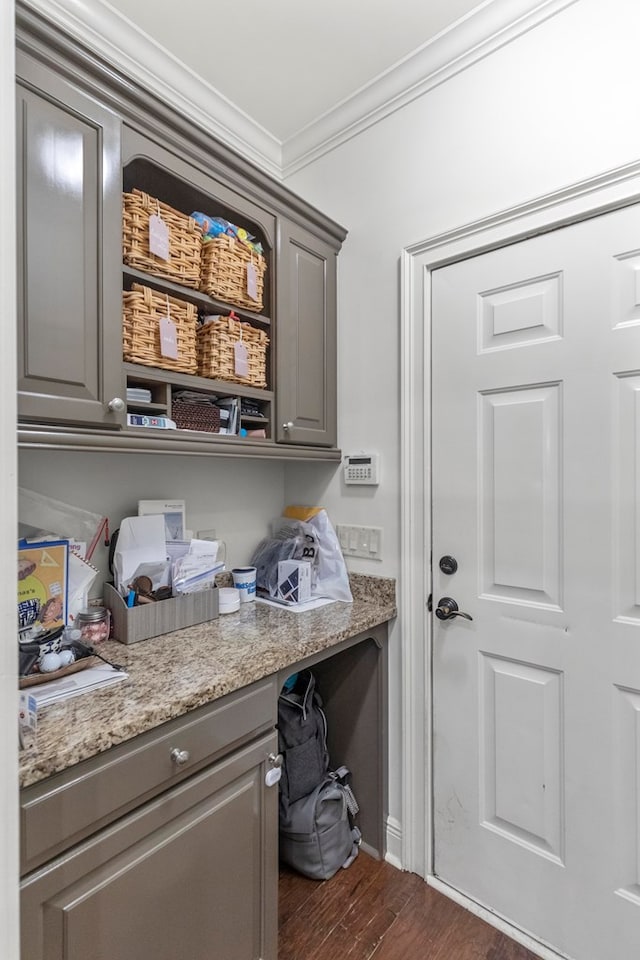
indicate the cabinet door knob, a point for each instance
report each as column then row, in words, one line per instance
column 288, row 425
column 274, row 772
column 116, row 405
column 179, row 756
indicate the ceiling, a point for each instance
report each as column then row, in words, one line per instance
column 285, row 63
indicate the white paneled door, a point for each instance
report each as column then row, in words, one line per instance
column 536, row 496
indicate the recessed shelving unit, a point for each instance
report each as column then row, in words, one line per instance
column 143, row 174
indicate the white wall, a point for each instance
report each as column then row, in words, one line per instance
column 554, row 107
column 237, row 499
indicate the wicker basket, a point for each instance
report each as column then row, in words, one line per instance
column 143, row 309
column 217, row 338
column 196, row 416
column 185, row 240
column 224, row 272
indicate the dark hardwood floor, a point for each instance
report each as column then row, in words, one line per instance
column 374, row 911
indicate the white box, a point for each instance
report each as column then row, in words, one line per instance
column 294, row 581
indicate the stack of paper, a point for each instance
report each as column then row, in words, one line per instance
column 138, row 394
column 301, row 607
column 93, row 678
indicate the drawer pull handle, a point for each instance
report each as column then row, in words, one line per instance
column 179, row 756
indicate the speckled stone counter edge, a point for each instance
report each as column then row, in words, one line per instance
column 170, row 675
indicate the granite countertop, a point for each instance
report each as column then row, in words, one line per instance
column 177, row 672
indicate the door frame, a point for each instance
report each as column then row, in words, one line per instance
column 587, row 198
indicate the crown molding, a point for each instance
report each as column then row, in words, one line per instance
column 97, row 25
column 487, row 28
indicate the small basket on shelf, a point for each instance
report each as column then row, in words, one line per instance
column 225, row 270
column 184, row 239
column 217, row 340
column 143, row 310
column 189, row 412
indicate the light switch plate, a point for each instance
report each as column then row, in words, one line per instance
column 363, row 542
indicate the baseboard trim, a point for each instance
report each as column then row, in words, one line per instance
column 542, row 950
column 394, row 843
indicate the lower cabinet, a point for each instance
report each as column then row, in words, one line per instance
column 166, row 847
column 189, row 875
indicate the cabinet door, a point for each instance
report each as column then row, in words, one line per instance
column 69, row 252
column 306, row 338
column 191, row 876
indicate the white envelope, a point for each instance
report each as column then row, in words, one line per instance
column 141, row 540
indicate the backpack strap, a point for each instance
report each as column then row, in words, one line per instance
column 341, row 775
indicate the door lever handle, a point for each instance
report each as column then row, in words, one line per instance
column 447, row 609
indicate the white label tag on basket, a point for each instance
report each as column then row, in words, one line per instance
column 252, row 281
column 168, row 338
column 158, row 237
column 241, row 359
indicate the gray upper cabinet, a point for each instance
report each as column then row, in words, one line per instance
column 306, row 355
column 69, row 224
column 85, row 135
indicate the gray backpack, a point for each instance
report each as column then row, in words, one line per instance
column 302, row 738
column 317, row 806
column 317, row 834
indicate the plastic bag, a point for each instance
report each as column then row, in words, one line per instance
column 288, row 544
column 304, row 533
column 37, row 512
column 332, row 579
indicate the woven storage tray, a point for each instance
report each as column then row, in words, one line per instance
column 185, row 239
column 196, row 416
column 224, row 272
column 216, row 351
column 142, row 311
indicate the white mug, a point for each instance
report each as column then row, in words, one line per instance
column 244, row 580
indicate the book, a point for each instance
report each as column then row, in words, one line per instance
column 142, row 420
column 231, row 407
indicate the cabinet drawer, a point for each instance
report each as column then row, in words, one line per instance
column 62, row 810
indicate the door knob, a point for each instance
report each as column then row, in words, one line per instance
column 117, row 405
column 447, row 609
column 288, row 425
